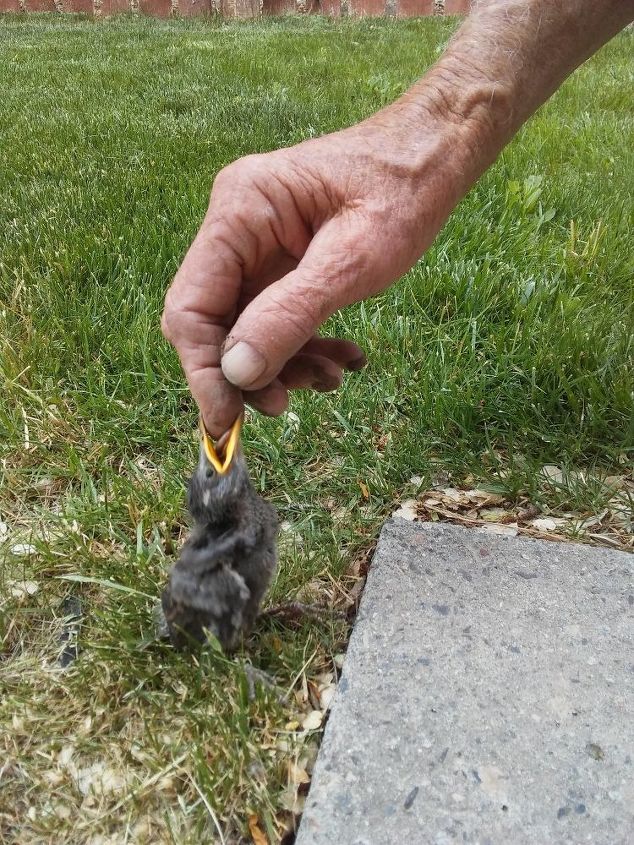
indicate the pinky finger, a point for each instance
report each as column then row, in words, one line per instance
column 271, row 400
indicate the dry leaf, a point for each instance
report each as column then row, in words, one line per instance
column 312, row 592
column 509, row 530
column 326, row 696
column 431, row 502
column 297, row 774
column 615, row 481
column 382, row 442
column 364, row 490
column 340, row 514
column 440, row 478
column 276, row 644
column 453, row 495
column 495, row 515
column 21, row 589
column 100, row 779
column 257, row 834
column 23, row 549
column 62, row 811
column 407, row 510
column 477, row 495
column 354, row 593
column 591, row 521
column 614, row 526
column 313, row 695
column 292, row 801
column 553, row 473
column 313, row 721
column 547, row 523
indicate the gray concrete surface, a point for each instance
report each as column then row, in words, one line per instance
column 487, row 697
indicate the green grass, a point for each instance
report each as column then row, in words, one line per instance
column 507, row 347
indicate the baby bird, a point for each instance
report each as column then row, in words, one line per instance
column 229, row 559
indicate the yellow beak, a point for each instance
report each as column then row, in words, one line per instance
column 221, row 454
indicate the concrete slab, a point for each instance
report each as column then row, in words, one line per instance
column 487, row 697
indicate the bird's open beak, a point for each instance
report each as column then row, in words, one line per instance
column 220, row 455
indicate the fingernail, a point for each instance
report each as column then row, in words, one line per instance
column 242, row 364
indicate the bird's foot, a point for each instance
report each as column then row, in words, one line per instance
column 161, row 627
column 257, row 676
column 296, row 610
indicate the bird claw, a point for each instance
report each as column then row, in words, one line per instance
column 296, row 610
column 161, row 625
column 257, row 676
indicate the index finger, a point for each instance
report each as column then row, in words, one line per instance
column 200, row 307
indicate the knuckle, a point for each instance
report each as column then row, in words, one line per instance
column 167, row 319
column 165, row 329
column 172, row 321
column 237, row 173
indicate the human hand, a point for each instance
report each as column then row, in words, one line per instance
column 289, row 238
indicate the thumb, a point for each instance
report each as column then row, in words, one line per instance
column 284, row 317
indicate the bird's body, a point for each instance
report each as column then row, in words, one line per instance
column 228, row 561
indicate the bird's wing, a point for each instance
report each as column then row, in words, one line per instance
column 203, row 552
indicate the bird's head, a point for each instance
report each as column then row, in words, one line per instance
column 221, row 479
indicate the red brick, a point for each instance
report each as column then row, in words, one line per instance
column 331, row 8
column 40, row 6
column 240, row 8
column 279, row 7
column 114, row 7
column 457, row 7
column 370, row 8
column 156, row 8
column 84, row 7
column 9, row 6
column 192, row 8
column 414, row 8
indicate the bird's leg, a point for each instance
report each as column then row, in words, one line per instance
column 257, row 676
column 296, row 610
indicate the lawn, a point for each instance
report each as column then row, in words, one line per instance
column 507, row 348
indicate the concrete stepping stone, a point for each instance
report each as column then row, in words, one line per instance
column 487, row 697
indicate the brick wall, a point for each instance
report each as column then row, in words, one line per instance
column 243, row 8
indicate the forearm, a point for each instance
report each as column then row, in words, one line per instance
column 504, row 62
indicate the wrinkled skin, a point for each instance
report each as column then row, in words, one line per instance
column 289, row 238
